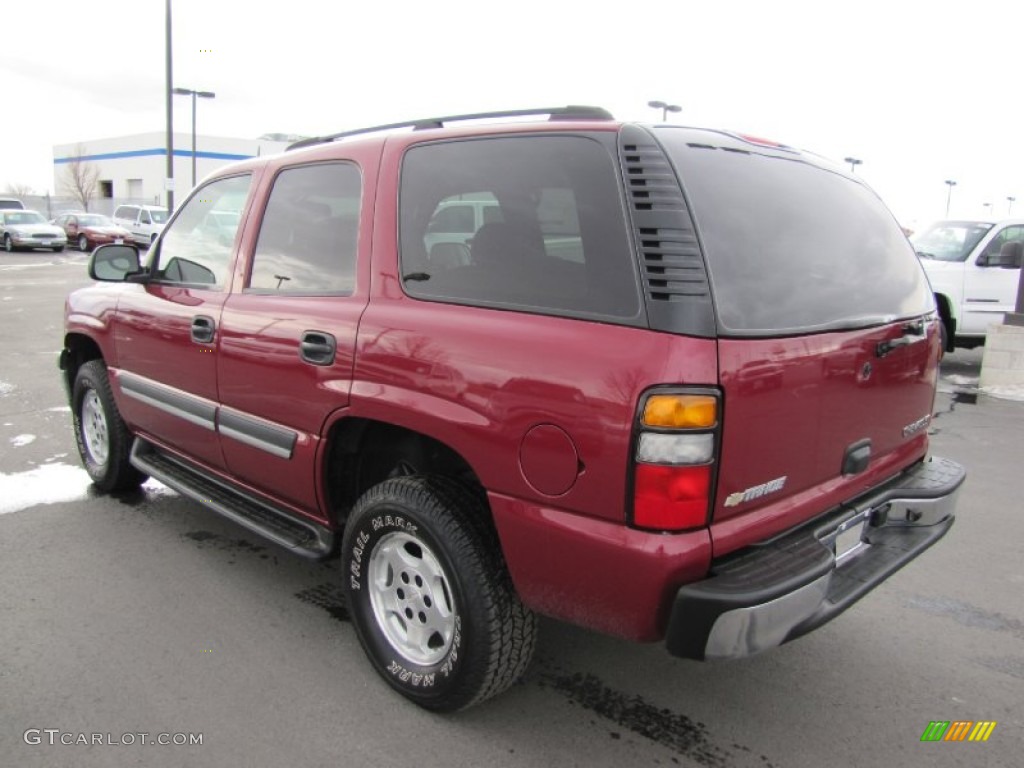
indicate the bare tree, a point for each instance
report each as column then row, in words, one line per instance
column 19, row 190
column 80, row 177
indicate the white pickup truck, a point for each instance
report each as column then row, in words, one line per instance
column 974, row 269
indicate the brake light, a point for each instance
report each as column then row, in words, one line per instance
column 675, row 453
column 671, row 498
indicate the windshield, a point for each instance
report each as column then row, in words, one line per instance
column 950, row 240
column 24, row 217
column 792, row 247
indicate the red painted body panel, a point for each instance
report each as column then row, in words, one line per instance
column 792, row 408
column 431, row 368
column 594, row 573
column 153, row 339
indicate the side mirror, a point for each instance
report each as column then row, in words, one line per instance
column 114, row 263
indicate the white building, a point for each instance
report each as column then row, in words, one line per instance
column 134, row 168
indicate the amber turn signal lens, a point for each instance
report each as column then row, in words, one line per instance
column 680, row 411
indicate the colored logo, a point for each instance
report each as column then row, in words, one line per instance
column 958, row 730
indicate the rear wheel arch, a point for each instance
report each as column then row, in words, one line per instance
column 362, row 453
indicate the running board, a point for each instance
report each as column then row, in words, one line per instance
column 300, row 536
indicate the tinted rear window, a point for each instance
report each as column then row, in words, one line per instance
column 792, row 247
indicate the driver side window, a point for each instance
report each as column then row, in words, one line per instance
column 1006, row 235
column 196, row 247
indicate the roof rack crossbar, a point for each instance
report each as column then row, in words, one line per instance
column 572, row 112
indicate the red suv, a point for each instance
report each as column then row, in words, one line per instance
column 674, row 384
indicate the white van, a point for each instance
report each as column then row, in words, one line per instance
column 145, row 222
column 974, row 269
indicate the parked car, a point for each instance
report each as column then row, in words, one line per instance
column 22, row 229
column 11, row 203
column 88, row 230
column 143, row 221
column 974, row 269
column 696, row 418
column 453, row 224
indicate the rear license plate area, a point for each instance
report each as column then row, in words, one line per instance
column 850, row 539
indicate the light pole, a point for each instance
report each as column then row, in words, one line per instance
column 168, row 79
column 194, row 94
column 854, row 162
column 1009, row 207
column 949, row 195
column 665, row 108
column 988, row 209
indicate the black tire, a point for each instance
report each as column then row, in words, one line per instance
column 103, row 440
column 440, row 530
column 58, row 249
column 8, row 244
column 83, row 243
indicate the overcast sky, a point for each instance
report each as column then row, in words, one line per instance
column 920, row 91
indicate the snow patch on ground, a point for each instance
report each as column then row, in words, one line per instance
column 20, row 440
column 1005, row 391
column 156, row 488
column 60, row 409
column 961, row 381
column 54, row 484
column 48, row 484
column 5, row 388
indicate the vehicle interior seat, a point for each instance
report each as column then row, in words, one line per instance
column 1011, row 252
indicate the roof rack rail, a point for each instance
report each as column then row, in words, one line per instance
column 572, row 112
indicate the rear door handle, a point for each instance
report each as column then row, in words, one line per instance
column 318, row 348
column 912, row 334
column 203, row 328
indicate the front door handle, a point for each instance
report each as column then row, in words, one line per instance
column 203, row 328
column 318, row 348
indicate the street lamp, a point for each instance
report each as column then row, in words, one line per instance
column 854, row 162
column 194, row 94
column 949, row 195
column 665, row 108
column 1010, row 200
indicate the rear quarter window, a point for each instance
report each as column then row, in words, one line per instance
column 554, row 242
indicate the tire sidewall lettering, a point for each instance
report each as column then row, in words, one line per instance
column 404, row 673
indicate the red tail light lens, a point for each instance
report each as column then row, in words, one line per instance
column 671, row 498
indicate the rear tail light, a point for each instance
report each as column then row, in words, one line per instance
column 676, row 445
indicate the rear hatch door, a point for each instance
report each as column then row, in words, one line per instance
column 828, row 338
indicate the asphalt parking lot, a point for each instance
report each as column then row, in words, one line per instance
column 150, row 615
